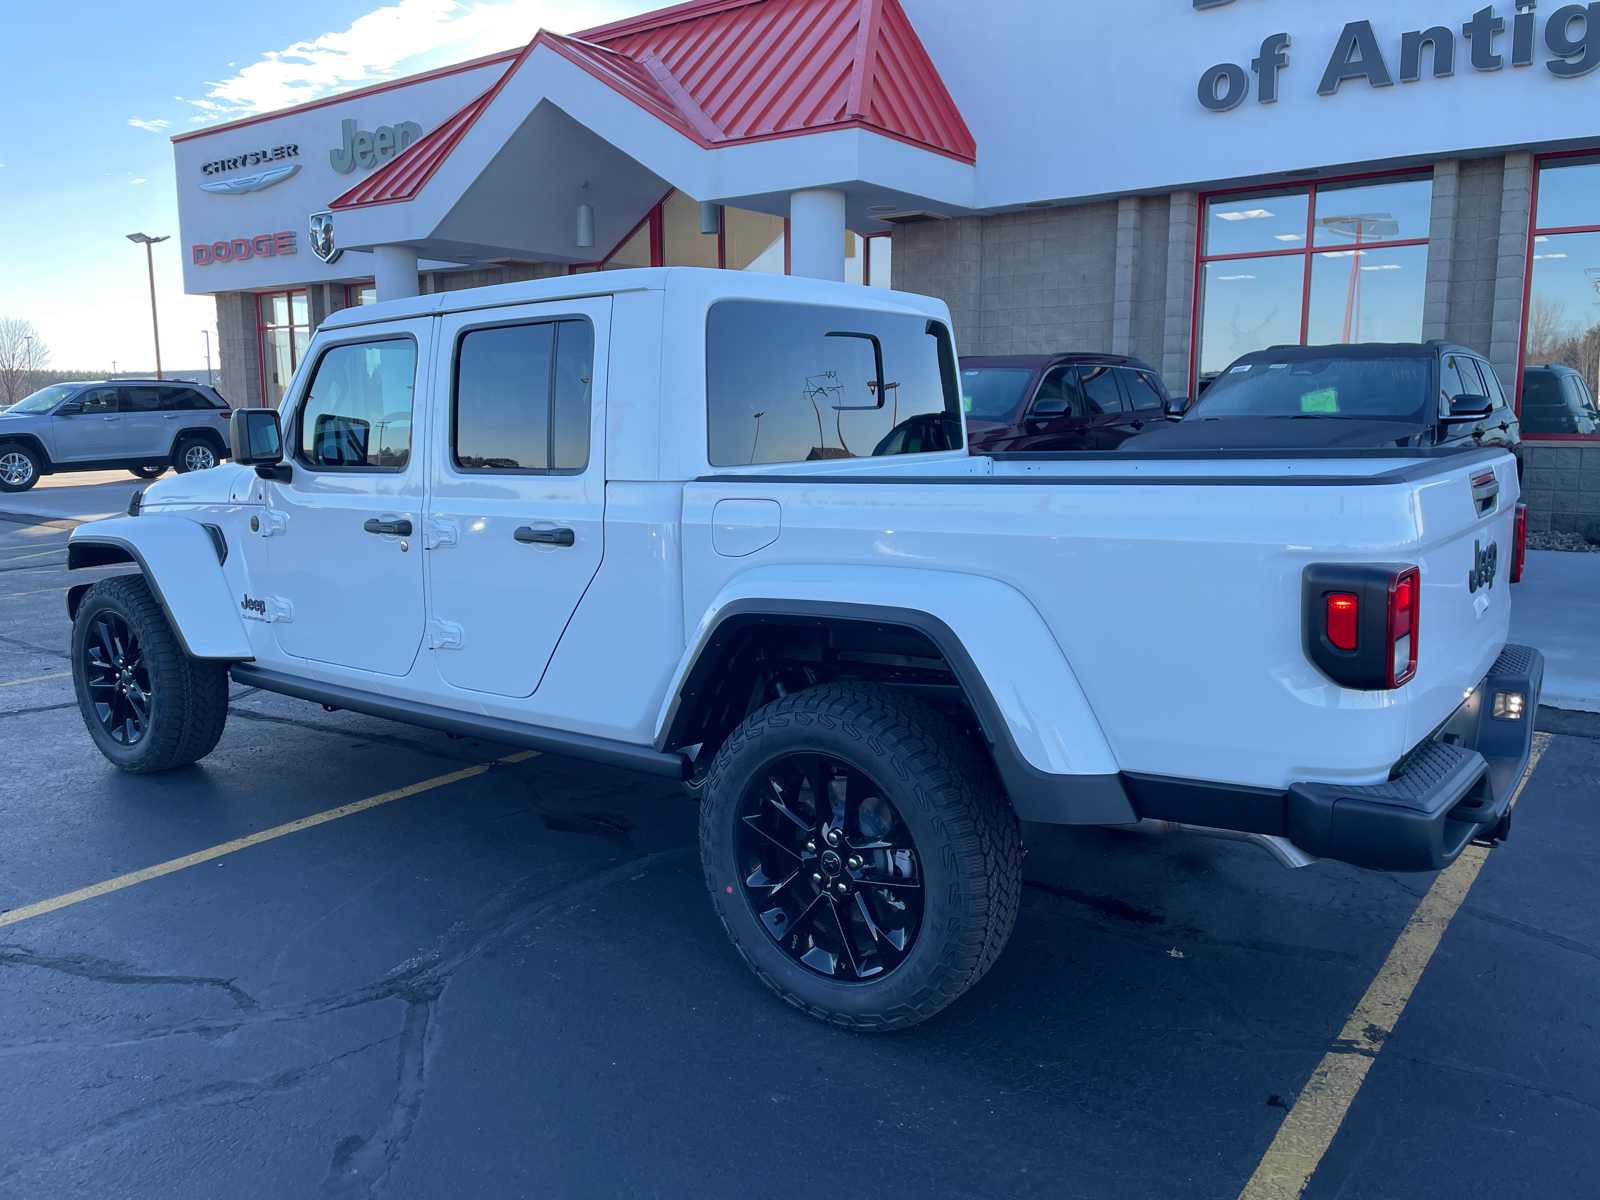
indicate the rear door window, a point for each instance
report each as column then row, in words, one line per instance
column 803, row 383
column 522, row 398
column 1141, row 388
column 141, row 399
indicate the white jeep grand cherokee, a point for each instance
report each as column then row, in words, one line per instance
column 723, row 527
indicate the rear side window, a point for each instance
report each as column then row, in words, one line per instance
column 1142, row 388
column 801, row 383
column 141, row 399
column 357, row 412
column 184, row 400
column 522, row 397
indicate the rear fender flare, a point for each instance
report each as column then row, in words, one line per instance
column 179, row 560
column 1047, row 743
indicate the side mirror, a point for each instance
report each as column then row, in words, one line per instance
column 257, row 440
column 1043, row 410
column 70, row 409
column 1175, row 406
column 1469, row 408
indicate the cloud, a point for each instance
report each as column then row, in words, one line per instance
column 138, row 181
column 152, row 126
column 392, row 41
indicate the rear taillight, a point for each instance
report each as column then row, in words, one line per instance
column 1519, row 542
column 1360, row 622
column 1343, row 609
column 1402, row 626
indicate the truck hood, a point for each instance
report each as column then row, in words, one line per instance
column 1277, row 433
column 216, row 486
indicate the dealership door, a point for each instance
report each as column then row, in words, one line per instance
column 516, row 514
column 344, row 545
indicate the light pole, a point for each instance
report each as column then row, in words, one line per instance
column 150, row 262
column 207, row 333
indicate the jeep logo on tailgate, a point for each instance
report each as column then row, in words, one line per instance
column 1484, row 563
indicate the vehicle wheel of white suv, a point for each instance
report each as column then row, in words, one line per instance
column 148, row 705
column 149, row 472
column 19, row 468
column 861, row 854
column 195, row 454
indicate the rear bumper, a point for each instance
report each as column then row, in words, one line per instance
column 1454, row 787
column 1448, row 790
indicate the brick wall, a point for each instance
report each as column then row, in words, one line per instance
column 1475, row 254
column 239, row 376
column 1561, row 485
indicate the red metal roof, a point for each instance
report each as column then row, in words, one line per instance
column 729, row 71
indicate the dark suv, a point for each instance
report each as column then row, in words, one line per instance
column 1381, row 394
column 1556, row 400
column 144, row 425
column 1058, row 401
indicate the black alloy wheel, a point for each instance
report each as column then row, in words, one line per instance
column 830, row 869
column 146, row 703
column 861, row 854
column 118, row 679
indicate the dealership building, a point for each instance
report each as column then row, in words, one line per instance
column 1178, row 180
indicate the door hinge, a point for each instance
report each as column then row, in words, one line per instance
column 444, row 635
column 280, row 609
column 438, row 533
column 269, row 522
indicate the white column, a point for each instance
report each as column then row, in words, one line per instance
column 816, row 234
column 394, row 271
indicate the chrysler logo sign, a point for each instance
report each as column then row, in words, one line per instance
column 272, row 164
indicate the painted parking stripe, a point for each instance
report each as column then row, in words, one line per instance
column 1320, row 1109
column 255, row 839
column 36, row 679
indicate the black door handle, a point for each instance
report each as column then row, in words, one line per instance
column 400, row 528
column 544, row 537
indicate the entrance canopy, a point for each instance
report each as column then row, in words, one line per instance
column 735, row 102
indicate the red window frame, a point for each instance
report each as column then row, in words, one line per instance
column 294, row 358
column 1306, row 252
column 1534, row 231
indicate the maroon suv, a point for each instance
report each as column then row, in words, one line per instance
column 1059, row 401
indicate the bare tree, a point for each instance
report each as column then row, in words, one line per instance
column 22, row 355
column 1548, row 330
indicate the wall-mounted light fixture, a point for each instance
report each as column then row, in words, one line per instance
column 585, row 221
column 710, row 217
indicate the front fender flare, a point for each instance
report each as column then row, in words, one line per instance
column 1048, row 745
column 178, row 558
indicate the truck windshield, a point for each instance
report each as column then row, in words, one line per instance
column 993, row 393
column 44, row 399
column 1381, row 389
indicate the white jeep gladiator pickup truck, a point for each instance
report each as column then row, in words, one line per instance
column 723, row 527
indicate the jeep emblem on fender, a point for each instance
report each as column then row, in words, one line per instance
column 1484, row 563
column 322, row 237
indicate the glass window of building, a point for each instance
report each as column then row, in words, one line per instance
column 753, row 241
column 1333, row 263
column 283, row 322
column 360, row 293
column 1563, row 324
column 682, row 243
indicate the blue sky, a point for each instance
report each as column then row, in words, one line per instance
column 93, row 91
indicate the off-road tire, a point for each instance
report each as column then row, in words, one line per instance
column 947, row 793
column 180, row 454
column 188, row 704
column 15, row 460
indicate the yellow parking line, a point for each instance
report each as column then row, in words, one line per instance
column 1308, row 1130
column 255, row 839
column 36, row 679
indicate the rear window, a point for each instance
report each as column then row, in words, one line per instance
column 803, row 383
column 1388, row 389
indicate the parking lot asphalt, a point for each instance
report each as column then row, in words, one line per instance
column 513, row 985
